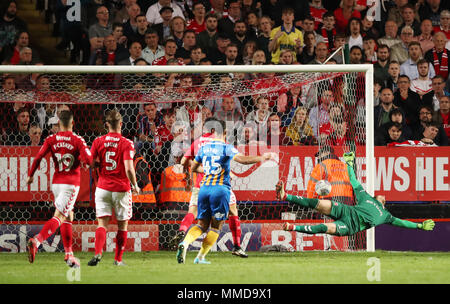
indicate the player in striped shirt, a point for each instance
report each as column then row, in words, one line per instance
column 234, row 222
column 68, row 151
column 215, row 189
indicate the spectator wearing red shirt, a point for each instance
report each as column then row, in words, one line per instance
column 164, row 131
column 328, row 30
column 442, row 116
column 12, row 53
column 317, row 11
column 198, row 22
column 444, row 24
column 170, row 48
column 343, row 14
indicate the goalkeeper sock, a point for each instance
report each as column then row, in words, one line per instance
column 121, row 241
column 49, row 229
column 192, row 235
column 311, row 229
column 100, row 239
column 235, row 227
column 303, row 201
column 66, row 235
column 186, row 222
column 208, row 242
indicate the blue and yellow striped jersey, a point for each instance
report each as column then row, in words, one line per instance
column 215, row 156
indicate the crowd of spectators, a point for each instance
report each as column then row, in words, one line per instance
column 408, row 44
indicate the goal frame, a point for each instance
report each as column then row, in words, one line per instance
column 367, row 69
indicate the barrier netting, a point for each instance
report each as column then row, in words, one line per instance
column 293, row 114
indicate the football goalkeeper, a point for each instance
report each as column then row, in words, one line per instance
column 368, row 212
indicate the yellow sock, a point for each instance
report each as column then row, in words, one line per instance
column 192, row 235
column 208, row 242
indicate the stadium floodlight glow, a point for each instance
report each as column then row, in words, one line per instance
column 307, row 75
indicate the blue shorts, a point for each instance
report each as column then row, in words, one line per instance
column 213, row 201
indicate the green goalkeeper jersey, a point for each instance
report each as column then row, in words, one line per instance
column 370, row 211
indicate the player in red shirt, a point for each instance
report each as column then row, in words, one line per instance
column 114, row 155
column 234, row 222
column 68, row 151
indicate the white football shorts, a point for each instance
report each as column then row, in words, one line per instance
column 65, row 197
column 107, row 201
column 194, row 197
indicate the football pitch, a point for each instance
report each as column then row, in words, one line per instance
column 260, row 268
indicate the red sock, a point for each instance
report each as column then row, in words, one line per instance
column 235, row 227
column 49, row 228
column 100, row 239
column 121, row 241
column 66, row 235
column 186, row 222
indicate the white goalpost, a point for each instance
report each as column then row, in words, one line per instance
column 92, row 90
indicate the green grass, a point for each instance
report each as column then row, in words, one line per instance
column 260, row 268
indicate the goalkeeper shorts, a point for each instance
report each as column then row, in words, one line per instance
column 346, row 219
column 107, row 201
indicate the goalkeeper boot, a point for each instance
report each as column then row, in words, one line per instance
column 237, row 251
column 72, row 261
column 349, row 158
column 32, row 249
column 201, row 261
column 288, row 227
column 177, row 239
column 95, row 260
column 181, row 253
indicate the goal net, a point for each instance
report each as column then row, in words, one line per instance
column 307, row 115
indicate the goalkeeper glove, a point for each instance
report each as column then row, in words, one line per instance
column 349, row 158
column 280, row 193
column 427, row 225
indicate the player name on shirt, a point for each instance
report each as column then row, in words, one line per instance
column 213, row 150
column 63, row 145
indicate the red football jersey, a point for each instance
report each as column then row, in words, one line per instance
column 193, row 150
column 68, row 150
column 162, row 135
column 112, row 150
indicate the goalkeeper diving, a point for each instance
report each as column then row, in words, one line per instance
column 368, row 212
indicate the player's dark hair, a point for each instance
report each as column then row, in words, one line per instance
column 213, row 124
column 65, row 117
column 113, row 118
